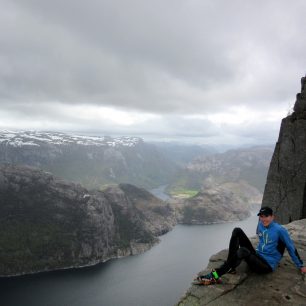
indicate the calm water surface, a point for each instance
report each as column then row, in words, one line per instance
column 160, row 276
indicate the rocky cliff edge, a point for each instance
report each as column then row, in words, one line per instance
column 285, row 190
column 285, row 286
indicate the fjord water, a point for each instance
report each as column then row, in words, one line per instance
column 157, row 277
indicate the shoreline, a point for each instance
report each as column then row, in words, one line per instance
column 134, row 250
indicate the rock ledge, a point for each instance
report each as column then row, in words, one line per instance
column 285, row 286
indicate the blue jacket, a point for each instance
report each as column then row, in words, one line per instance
column 272, row 242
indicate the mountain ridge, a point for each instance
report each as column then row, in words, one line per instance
column 92, row 161
column 48, row 223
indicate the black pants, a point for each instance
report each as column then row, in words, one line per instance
column 240, row 248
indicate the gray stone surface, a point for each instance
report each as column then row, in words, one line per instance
column 285, row 286
column 285, row 189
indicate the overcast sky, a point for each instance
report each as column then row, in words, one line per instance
column 201, row 71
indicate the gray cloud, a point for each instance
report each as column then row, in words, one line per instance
column 46, row 116
column 169, row 126
column 171, row 58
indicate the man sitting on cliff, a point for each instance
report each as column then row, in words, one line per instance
column 273, row 239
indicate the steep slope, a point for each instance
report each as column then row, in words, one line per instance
column 136, row 206
column 89, row 160
column 285, row 190
column 48, row 223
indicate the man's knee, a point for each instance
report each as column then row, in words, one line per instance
column 237, row 231
column 243, row 253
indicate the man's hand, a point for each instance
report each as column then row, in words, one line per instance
column 303, row 269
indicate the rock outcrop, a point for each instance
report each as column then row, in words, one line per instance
column 47, row 223
column 285, row 286
column 285, row 189
column 218, row 203
column 146, row 213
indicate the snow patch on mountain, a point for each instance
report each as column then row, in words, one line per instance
column 35, row 138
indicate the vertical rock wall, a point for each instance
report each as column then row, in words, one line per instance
column 285, row 190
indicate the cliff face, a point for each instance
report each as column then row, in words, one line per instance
column 139, row 216
column 47, row 223
column 285, row 286
column 285, row 189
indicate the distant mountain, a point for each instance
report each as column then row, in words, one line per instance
column 247, row 164
column 183, row 153
column 221, row 187
column 92, row 161
column 48, row 223
column 218, row 203
column 214, row 205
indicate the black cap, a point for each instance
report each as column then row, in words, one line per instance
column 266, row 211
